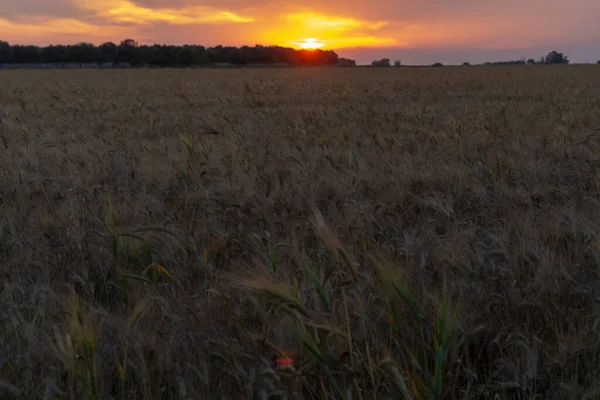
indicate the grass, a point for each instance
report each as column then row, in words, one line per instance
column 297, row 234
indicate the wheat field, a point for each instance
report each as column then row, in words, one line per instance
column 422, row 233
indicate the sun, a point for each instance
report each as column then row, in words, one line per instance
column 311, row 44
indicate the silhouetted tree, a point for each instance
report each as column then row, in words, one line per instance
column 128, row 51
column 6, row 55
column 164, row 56
column 438, row 64
column 384, row 62
column 54, row 54
column 345, row 62
column 81, row 53
column 235, row 56
column 109, row 52
column 511, row 62
column 466, row 64
column 187, row 56
column 555, row 57
column 531, row 61
column 26, row 54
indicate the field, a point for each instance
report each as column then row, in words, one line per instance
column 419, row 233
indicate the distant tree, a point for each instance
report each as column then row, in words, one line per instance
column 6, row 55
column 33, row 54
column 144, row 54
column 555, row 57
column 158, row 55
column 128, row 52
column 345, row 62
column 531, row 61
column 438, row 64
column 187, row 56
column 235, row 56
column 129, row 43
column 397, row 63
column 54, row 54
column 26, row 54
column 511, row 62
column 82, row 53
column 109, row 52
column 252, row 55
column 384, row 62
column 216, row 54
column 328, row 57
column 466, row 64
column 204, row 58
column 598, row 62
column 200, row 54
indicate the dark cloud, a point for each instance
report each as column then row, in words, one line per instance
column 263, row 7
column 21, row 9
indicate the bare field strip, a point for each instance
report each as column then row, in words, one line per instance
column 401, row 233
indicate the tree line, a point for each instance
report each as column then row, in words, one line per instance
column 130, row 52
column 553, row 57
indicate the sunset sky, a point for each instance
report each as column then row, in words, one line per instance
column 416, row 32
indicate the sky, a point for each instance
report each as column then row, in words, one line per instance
column 413, row 31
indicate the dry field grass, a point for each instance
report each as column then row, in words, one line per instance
column 402, row 233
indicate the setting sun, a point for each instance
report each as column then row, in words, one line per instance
column 313, row 30
column 311, row 44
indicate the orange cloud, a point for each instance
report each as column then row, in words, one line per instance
column 36, row 27
column 361, row 41
column 332, row 23
column 332, row 31
column 391, row 23
column 111, row 20
column 129, row 12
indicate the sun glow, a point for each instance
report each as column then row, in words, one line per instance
column 311, row 44
column 310, row 30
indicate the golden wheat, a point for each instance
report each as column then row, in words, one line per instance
column 169, row 215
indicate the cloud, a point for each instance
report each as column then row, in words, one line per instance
column 129, row 12
column 333, row 30
column 45, row 31
column 23, row 9
column 390, row 23
column 102, row 20
column 333, row 23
